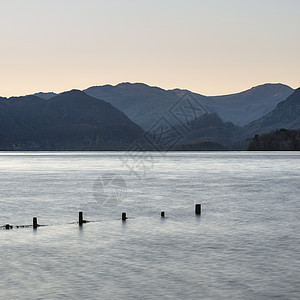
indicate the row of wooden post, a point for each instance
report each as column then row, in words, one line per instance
column 124, row 217
column 81, row 221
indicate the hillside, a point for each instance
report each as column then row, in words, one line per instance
column 145, row 105
column 285, row 115
column 250, row 105
column 75, row 120
column 69, row 121
column 211, row 128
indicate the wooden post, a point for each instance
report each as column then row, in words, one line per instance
column 80, row 218
column 124, row 216
column 198, row 209
column 34, row 223
column 162, row 214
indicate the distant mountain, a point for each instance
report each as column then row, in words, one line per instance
column 210, row 128
column 250, row 105
column 285, row 115
column 279, row 140
column 77, row 120
column 69, row 121
column 45, row 96
column 145, row 105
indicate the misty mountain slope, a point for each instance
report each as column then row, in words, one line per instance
column 145, row 105
column 285, row 115
column 75, row 119
column 245, row 107
column 212, row 128
column 69, row 121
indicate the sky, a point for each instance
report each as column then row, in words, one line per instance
column 212, row 47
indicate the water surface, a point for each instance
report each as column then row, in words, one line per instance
column 245, row 245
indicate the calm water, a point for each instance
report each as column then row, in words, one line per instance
column 245, row 245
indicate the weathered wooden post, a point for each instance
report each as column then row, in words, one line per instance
column 80, row 221
column 35, row 223
column 124, row 218
column 198, row 209
column 162, row 214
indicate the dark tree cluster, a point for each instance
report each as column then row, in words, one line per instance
column 278, row 140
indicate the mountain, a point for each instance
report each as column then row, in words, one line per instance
column 77, row 120
column 285, row 115
column 69, row 121
column 145, row 105
column 250, row 105
column 207, row 132
column 45, row 96
column 17, row 115
column 210, row 128
column 278, row 140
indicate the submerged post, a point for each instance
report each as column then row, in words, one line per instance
column 198, row 209
column 162, row 214
column 124, row 218
column 80, row 221
column 34, row 223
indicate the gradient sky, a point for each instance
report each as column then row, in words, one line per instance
column 207, row 46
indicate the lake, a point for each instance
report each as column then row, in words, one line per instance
column 245, row 244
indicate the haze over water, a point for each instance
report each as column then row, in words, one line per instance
column 245, row 245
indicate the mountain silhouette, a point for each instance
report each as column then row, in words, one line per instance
column 74, row 120
column 69, row 121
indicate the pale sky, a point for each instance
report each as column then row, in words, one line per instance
column 208, row 46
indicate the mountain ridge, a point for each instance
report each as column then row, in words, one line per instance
column 150, row 103
column 285, row 115
column 33, row 123
column 145, row 104
column 73, row 118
